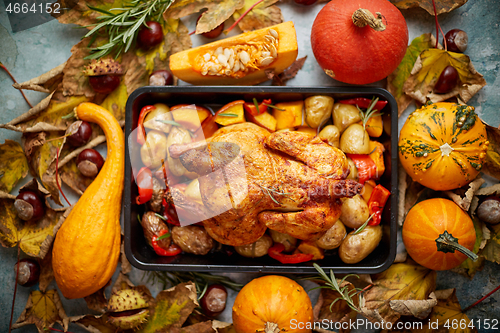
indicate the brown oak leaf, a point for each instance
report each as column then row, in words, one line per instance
column 46, row 82
column 491, row 166
column 442, row 6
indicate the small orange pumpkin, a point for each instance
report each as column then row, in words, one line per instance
column 438, row 234
column 443, row 145
column 272, row 303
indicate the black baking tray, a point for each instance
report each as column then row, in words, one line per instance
column 142, row 256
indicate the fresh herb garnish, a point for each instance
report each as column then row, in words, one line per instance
column 234, row 115
column 169, row 122
column 369, row 113
column 363, row 226
column 122, row 27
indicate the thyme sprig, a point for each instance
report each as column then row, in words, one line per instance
column 122, row 25
column 201, row 280
column 270, row 191
column 369, row 113
column 345, row 292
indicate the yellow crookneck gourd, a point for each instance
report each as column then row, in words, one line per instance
column 87, row 246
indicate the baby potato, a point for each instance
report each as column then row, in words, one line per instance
column 345, row 115
column 318, row 109
column 192, row 191
column 161, row 112
column 354, row 211
column 355, row 140
column 333, row 237
column 331, row 134
column 177, row 135
column 288, row 241
column 353, row 170
column 257, row 249
column 154, row 150
column 355, row 248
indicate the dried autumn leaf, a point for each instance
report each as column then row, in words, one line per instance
column 261, row 16
column 97, row 301
column 442, row 6
column 491, row 166
column 47, row 82
column 81, row 14
column 491, row 251
column 396, row 79
column 427, row 69
column 463, row 196
column 43, row 310
column 448, row 310
column 171, row 309
column 94, row 324
column 402, row 281
column 288, row 74
column 217, row 11
column 34, row 238
column 13, row 165
column 46, row 272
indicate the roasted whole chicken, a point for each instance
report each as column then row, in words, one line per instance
column 251, row 180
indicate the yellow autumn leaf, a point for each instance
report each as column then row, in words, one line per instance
column 261, row 16
column 43, row 310
column 402, row 281
column 13, row 165
column 428, row 68
column 33, row 238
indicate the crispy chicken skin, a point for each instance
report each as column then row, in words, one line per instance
column 290, row 182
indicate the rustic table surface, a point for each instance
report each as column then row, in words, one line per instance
column 32, row 52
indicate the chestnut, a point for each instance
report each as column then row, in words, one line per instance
column 29, row 205
column 82, row 134
column 104, row 84
column 456, row 40
column 161, row 78
column 150, row 35
column 214, row 300
column 89, row 162
column 489, row 210
column 29, row 272
column 447, row 80
column 215, row 32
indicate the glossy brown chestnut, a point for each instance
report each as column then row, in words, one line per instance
column 89, row 162
column 161, row 78
column 81, row 136
column 214, row 300
column 29, row 205
column 104, row 84
column 29, row 272
column 150, row 35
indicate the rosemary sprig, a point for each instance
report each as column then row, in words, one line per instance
column 363, row 226
column 269, row 191
column 273, row 107
column 369, row 113
column 331, row 283
column 201, row 280
column 234, row 115
column 169, row 122
column 122, row 25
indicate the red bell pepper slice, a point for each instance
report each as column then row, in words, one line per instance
column 145, row 185
column 364, row 103
column 251, row 108
column 366, row 166
column 172, row 250
column 276, row 250
column 376, row 203
column 170, row 213
column 141, row 131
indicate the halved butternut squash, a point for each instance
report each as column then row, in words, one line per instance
column 238, row 60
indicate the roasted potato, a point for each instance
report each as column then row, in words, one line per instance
column 193, row 190
column 354, row 211
column 177, row 135
column 355, row 140
column 152, row 225
column 333, row 237
column 156, row 202
column 357, row 247
column 345, row 115
column 192, row 239
column 331, row 134
column 353, row 170
column 154, row 150
column 318, row 110
column 257, row 249
column 154, row 117
column 288, row 241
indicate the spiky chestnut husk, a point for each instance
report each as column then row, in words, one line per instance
column 103, row 67
column 128, row 308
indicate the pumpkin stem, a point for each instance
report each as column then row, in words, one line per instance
column 271, row 328
column 363, row 17
column 448, row 244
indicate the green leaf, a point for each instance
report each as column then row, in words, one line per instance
column 13, row 165
column 396, row 80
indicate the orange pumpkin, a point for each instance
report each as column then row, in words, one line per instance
column 438, row 234
column 272, row 303
column 443, row 145
column 354, row 46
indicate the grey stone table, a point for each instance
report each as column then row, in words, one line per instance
column 34, row 51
